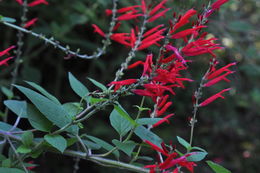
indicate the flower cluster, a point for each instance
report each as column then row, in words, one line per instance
column 6, row 52
column 32, row 4
column 172, row 159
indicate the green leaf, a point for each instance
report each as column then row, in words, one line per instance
column 27, row 138
column 198, row 148
column 197, row 156
column 44, row 92
column 183, row 142
column 93, row 100
column 146, row 158
column 23, row 149
column 57, row 141
column 72, row 108
column 37, row 119
column 125, row 115
column 78, row 87
column 10, row 170
column 6, row 163
column 17, row 107
column 146, row 134
column 103, row 144
column 148, row 121
column 7, row 92
column 126, row 147
column 98, row 84
column 52, row 111
column 8, row 19
column 91, row 145
column 217, row 168
column 7, row 127
column 119, row 123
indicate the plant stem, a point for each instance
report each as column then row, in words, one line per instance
column 66, row 49
column 83, row 155
column 18, row 54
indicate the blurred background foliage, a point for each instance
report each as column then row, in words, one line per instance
column 229, row 130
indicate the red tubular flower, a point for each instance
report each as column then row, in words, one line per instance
column 214, row 73
column 200, row 46
column 6, row 51
column 30, row 23
column 156, row 16
column 184, row 19
column 157, row 7
column 156, row 148
column 216, row 5
column 165, row 119
column 132, row 38
column 19, row 2
column 163, row 109
column 4, row 62
column 186, row 32
column 218, row 79
column 143, row 6
column 122, row 38
column 214, row 97
column 119, row 84
column 38, row 2
column 98, row 30
column 129, row 16
column 177, row 53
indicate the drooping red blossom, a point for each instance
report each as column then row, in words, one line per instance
column 98, row 30
column 163, row 109
column 156, row 148
column 218, row 79
column 119, row 84
column 6, row 51
column 201, row 46
column 157, row 7
column 158, row 15
column 4, row 62
column 165, row 119
column 214, row 73
column 143, row 6
column 129, row 16
column 30, row 23
column 216, row 5
column 19, row 2
column 122, row 38
column 184, row 19
column 186, row 32
column 37, row 2
column 171, row 160
column 177, row 53
column 214, row 97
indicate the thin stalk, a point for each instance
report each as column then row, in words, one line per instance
column 66, row 49
column 18, row 54
column 16, row 154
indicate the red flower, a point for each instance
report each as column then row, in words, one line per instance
column 216, row 5
column 218, row 79
column 186, row 32
column 156, row 16
column 184, row 19
column 4, row 62
column 214, row 73
column 30, row 23
column 177, row 53
column 6, row 51
column 165, row 119
column 19, row 2
column 119, row 84
column 157, row 7
column 214, row 97
column 98, row 30
column 37, row 2
column 156, row 148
